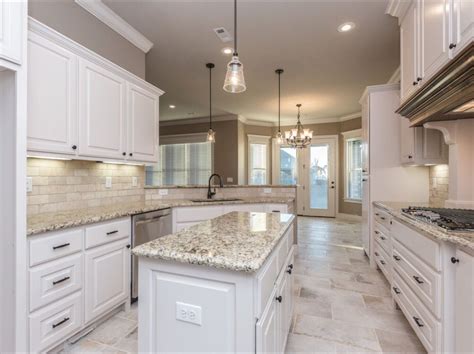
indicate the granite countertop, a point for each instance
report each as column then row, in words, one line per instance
column 39, row 223
column 237, row 241
column 461, row 238
column 173, row 186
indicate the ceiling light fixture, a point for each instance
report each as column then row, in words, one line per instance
column 211, row 134
column 279, row 136
column 299, row 137
column 227, row 51
column 172, row 106
column 346, row 27
column 234, row 79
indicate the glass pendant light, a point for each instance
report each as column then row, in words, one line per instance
column 279, row 135
column 234, row 79
column 211, row 134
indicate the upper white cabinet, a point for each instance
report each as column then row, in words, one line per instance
column 431, row 33
column 11, row 29
column 142, row 124
column 83, row 106
column 52, row 97
column 101, row 112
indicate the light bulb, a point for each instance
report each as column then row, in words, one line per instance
column 279, row 138
column 294, row 132
column 211, row 136
column 310, row 134
column 234, row 79
column 287, row 134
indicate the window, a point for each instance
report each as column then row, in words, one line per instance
column 183, row 160
column 259, row 159
column 353, row 166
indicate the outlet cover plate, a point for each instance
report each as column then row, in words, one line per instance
column 108, row 182
column 162, row 191
column 134, row 181
column 189, row 313
column 267, row 190
column 29, row 184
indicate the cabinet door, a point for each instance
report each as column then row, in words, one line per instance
column 101, row 112
column 409, row 51
column 433, row 149
column 462, row 24
column 142, row 124
column 464, row 303
column 407, row 141
column 107, row 278
column 267, row 331
column 366, row 214
column 365, row 136
column 12, row 15
column 433, row 27
column 52, row 97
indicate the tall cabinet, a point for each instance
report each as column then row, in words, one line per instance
column 384, row 178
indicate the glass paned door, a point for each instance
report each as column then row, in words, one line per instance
column 288, row 166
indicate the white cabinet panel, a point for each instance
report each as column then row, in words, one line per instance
column 409, row 51
column 434, row 27
column 421, row 146
column 11, row 26
column 142, row 124
column 462, row 28
column 107, row 277
column 101, row 112
column 52, row 97
column 365, row 136
column 267, row 329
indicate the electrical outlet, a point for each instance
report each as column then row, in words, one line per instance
column 108, row 182
column 134, row 181
column 29, row 184
column 230, row 180
column 267, row 190
column 189, row 313
column 162, row 191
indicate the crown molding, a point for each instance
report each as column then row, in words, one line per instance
column 198, row 120
column 378, row 88
column 105, row 14
column 350, row 116
column 397, row 8
column 395, row 78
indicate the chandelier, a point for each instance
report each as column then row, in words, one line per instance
column 298, row 137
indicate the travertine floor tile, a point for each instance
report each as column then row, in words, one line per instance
column 393, row 342
column 113, row 330
column 299, row 343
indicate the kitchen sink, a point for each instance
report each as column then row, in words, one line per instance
column 215, row 200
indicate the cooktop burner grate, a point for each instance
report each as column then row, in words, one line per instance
column 449, row 219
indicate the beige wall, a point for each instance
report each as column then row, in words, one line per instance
column 439, row 185
column 68, row 18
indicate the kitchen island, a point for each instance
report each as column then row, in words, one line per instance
column 223, row 285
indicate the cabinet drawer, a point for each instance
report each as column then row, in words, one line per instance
column 423, row 323
column 422, row 280
column 54, row 245
column 266, row 281
column 382, row 238
column 54, row 280
column 198, row 213
column 107, row 232
column 256, row 208
column 383, row 261
column 284, row 247
column 382, row 218
column 426, row 249
column 276, row 208
column 56, row 322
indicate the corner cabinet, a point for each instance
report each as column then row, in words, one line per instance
column 83, row 106
column 12, row 14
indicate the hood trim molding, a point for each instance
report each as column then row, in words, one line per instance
column 451, row 87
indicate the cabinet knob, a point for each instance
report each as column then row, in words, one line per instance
column 397, row 290
column 124, row 153
column 290, row 266
column 128, row 246
column 279, row 298
column 410, row 157
column 454, row 260
column 418, row 79
column 74, row 147
column 452, row 46
column 415, row 83
column 397, row 258
column 130, row 154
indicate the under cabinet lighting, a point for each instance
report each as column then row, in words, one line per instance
column 49, row 158
column 122, row 163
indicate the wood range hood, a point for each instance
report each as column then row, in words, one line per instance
column 449, row 95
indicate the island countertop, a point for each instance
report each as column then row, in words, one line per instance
column 237, row 241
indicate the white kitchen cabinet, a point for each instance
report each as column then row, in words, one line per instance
column 101, row 112
column 107, row 278
column 267, row 330
column 142, row 124
column 462, row 25
column 284, row 304
column 11, row 29
column 409, row 51
column 464, row 302
column 52, row 97
column 421, row 146
column 365, row 136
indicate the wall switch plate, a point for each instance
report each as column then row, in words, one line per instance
column 29, row 184
column 162, row 191
column 108, row 182
column 134, row 181
column 189, row 313
column 267, row 190
column 230, row 180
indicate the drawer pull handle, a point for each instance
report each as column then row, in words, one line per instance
column 397, row 258
column 377, row 232
column 276, row 211
column 383, row 238
column 61, row 322
column 288, row 271
column 418, row 279
column 61, row 246
column 382, row 217
column 397, row 290
column 112, row 232
column 376, row 253
column 61, row 280
column 279, row 298
column 418, row 321
column 290, row 266
column 454, row 260
column 383, row 262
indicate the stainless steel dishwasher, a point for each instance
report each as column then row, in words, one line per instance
column 147, row 227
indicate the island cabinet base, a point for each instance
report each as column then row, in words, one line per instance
column 195, row 308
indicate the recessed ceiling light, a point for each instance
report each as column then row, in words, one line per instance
column 172, row 106
column 346, row 27
column 227, row 51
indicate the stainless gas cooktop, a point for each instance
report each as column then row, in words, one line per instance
column 449, row 219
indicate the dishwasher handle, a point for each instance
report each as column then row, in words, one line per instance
column 147, row 221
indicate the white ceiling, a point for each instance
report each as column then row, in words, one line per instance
column 325, row 70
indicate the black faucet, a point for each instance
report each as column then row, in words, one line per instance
column 209, row 193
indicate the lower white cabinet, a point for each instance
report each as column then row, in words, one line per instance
column 107, row 278
column 267, row 329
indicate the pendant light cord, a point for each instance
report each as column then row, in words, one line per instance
column 210, row 98
column 235, row 28
column 279, row 96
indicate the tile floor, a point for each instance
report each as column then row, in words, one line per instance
column 341, row 304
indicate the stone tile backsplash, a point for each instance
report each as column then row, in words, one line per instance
column 439, row 184
column 68, row 185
